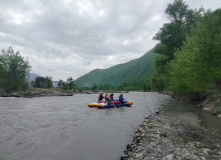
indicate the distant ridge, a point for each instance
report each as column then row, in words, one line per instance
column 138, row 70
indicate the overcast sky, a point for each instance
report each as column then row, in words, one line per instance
column 69, row 38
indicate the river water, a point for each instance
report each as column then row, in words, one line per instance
column 65, row 128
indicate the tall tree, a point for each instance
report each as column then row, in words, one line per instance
column 171, row 37
column 60, row 83
column 13, row 70
column 197, row 66
column 70, row 82
column 40, row 82
column 48, row 81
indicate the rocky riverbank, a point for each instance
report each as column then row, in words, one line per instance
column 35, row 94
column 173, row 136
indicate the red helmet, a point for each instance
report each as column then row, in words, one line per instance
column 101, row 92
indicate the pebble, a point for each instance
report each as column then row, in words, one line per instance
column 140, row 129
column 169, row 157
column 139, row 155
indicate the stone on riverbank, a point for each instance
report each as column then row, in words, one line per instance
column 174, row 136
column 35, row 94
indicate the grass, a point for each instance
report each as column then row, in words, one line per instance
column 163, row 134
column 158, row 121
column 67, row 91
column 146, row 137
column 151, row 126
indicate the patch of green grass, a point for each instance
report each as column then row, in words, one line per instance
column 158, row 121
column 163, row 134
column 151, row 126
column 202, row 146
column 147, row 137
column 66, row 91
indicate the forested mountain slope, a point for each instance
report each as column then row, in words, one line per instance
column 138, row 70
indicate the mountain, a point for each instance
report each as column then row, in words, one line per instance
column 138, row 70
column 31, row 77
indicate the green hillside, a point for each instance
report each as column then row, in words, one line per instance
column 138, row 70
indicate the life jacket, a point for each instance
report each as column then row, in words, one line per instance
column 106, row 98
column 111, row 97
column 120, row 98
column 100, row 97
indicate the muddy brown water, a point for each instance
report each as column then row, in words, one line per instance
column 65, row 128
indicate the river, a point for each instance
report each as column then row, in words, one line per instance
column 65, row 128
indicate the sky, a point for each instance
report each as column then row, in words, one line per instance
column 69, row 38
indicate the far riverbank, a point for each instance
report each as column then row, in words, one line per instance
column 37, row 93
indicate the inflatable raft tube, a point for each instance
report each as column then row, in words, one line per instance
column 104, row 105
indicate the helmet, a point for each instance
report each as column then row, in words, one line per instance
column 106, row 93
column 101, row 92
column 121, row 93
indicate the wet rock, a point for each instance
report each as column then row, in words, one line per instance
column 169, row 157
column 206, row 151
column 139, row 155
column 207, row 109
column 140, row 130
column 129, row 147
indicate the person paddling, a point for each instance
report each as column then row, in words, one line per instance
column 111, row 98
column 107, row 99
column 100, row 97
column 121, row 98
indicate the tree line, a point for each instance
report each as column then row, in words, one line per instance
column 47, row 82
column 188, row 57
column 14, row 70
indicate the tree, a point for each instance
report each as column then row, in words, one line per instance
column 13, row 69
column 94, row 87
column 159, row 77
column 60, row 83
column 171, row 37
column 48, row 82
column 70, row 83
column 40, row 82
column 197, row 66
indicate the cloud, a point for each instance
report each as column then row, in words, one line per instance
column 64, row 38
